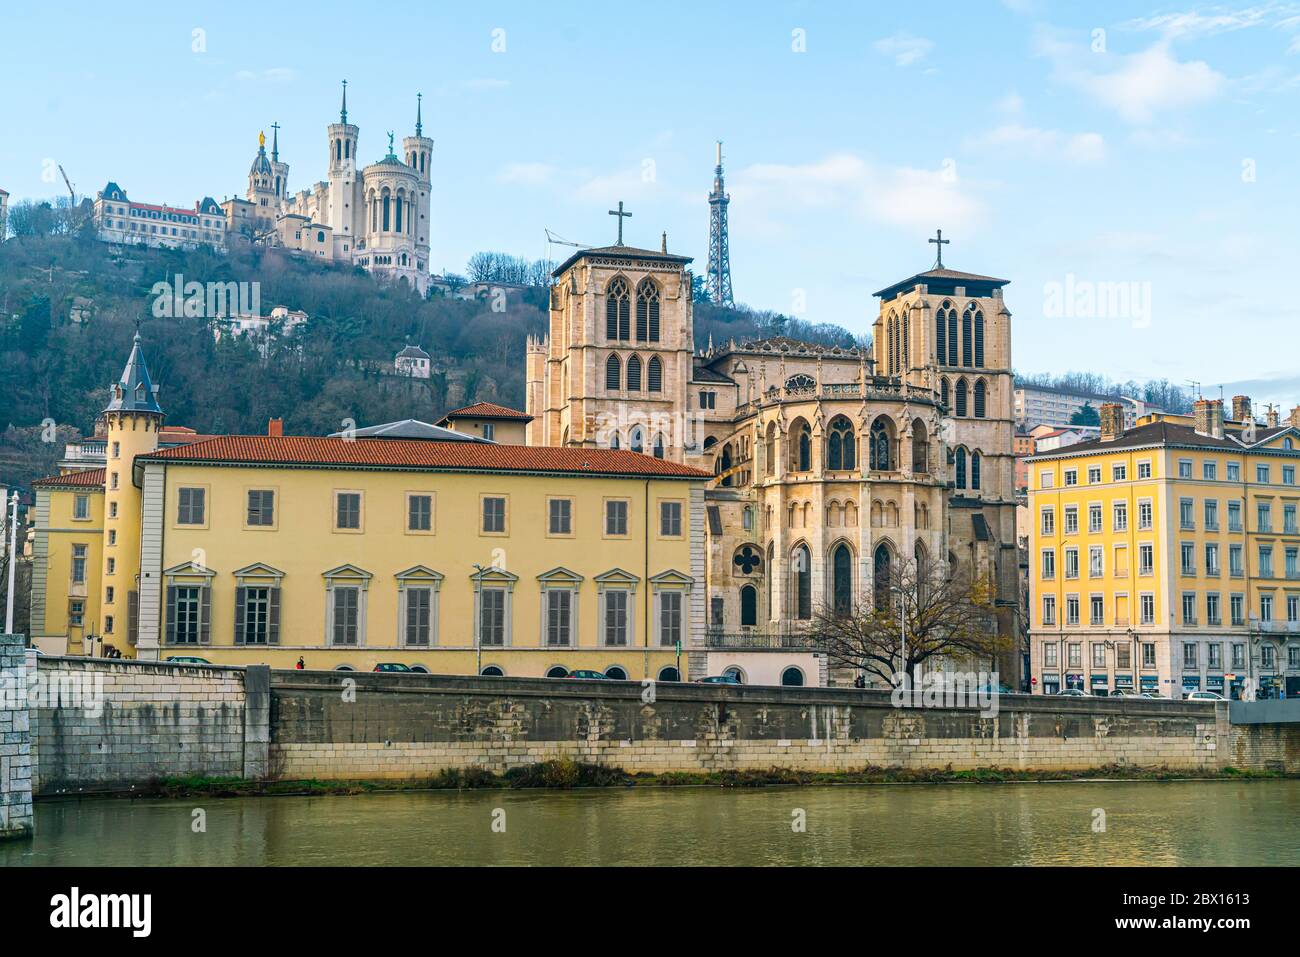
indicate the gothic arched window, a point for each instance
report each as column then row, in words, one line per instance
column 880, row 441
column 959, row 470
column 975, row 471
column 647, row 311
column 842, row 579
column 616, row 309
column 962, row 389
column 840, row 445
column 634, row 374
column 940, row 334
column 979, row 339
column 613, row 373
column 952, row 336
column 748, row 606
column 801, row 582
column 981, row 391
column 967, row 352
column 659, row 445
column 800, row 381
column 635, row 442
column 655, row 375
column 943, row 391
column 803, row 450
column 881, row 575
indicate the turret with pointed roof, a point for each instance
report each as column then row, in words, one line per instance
column 134, row 391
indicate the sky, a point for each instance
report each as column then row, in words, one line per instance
column 1130, row 168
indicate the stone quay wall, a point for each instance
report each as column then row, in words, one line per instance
column 15, row 741
column 112, row 724
column 117, row 725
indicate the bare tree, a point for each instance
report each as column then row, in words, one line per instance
column 947, row 612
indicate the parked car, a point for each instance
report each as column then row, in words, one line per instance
column 188, row 660
column 1152, row 694
column 392, row 666
column 1205, row 696
column 1072, row 693
column 720, row 680
column 587, row 673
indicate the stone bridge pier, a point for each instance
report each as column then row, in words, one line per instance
column 15, row 740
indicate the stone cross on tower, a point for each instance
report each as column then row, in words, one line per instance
column 621, row 216
column 939, row 243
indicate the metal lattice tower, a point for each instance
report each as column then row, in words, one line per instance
column 719, row 277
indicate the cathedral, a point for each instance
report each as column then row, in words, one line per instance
column 377, row 217
column 832, row 465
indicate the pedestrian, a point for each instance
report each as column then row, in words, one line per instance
column 301, row 664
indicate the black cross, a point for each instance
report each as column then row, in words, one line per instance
column 621, row 216
column 940, row 242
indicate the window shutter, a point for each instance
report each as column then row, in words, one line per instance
column 273, row 625
column 241, row 596
column 205, row 615
column 171, row 615
column 133, row 616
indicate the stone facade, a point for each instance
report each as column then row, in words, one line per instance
column 15, row 741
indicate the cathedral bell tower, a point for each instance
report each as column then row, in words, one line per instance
column 343, row 177
column 132, row 420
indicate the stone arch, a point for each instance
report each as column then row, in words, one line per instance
column 841, row 561
column 800, row 437
column 841, row 445
column 882, row 444
column 617, row 309
column 647, row 310
column 920, row 447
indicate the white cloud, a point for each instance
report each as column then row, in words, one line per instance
column 896, row 196
column 1195, row 23
column 1011, row 104
column 904, row 48
column 1036, row 143
column 1137, row 85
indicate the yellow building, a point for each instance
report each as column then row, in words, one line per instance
column 351, row 552
column 490, row 421
column 1166, row 558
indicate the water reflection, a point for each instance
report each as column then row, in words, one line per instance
column 1168, row 823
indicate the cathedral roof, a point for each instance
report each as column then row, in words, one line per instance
column 942, row 281
column 628, row 252
column 261, row 165
column 134, row 391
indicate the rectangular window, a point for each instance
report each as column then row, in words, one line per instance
column 1071, row 519
column 1071, row 609
column 81, row 508
column 78, row 564
column 670, row 618
column 559, row 618
column 616, row 518
column 1211, row 558
column 1121, row 516
column 670, row 519
column 1148, row 654
column 1264, row 516
column 257, row 610
column 1095, row 561
column 1234, row 516
column 1261, row 474
column 1094, row 475
column 1098, row 655
column 494, row 515
column 614, row 628
column 1289, row 520
column 1144, row 470
column 1097, row 610
column 1071, row 477
column 1288, row 475
column 1184, row 468
column 1094, row 518
column 1147, row 608
column 1266, row 561
column 560, row 516
column 1049, row 609
column 1235, row 563
column 1146, row 559
column 1237, row 608
column 1189, row 654
column 1212, row 615
column 1211, row 515
column 1123, row 655
column 1049, row 521
column 492, row 616
column 76, row 613
column 419, row 513
column 1234, row 471
column 1265, row 607
column 1074, row 654
column 1188, row 552
column 191, row 506
column 1046, row 480
column 347, row 615
column 1189, row 609
column 1186, row 518
column 185, row 621
column 1118, row 473
column 1071, row 563
column 1049, row 565
column 418, row 626
column 347, row 510
column 1292, row 560
column 1238, row 657
column 1145, row 514
column 1209, row 471
column 1049, row 655
column 261, row 508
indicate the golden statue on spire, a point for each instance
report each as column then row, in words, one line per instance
column 261, row 139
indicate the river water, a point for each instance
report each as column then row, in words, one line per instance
column 1104, row 823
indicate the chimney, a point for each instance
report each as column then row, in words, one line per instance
column 1240, row 408
column 1208, row 416
column 275, row 427
column 1112, row 421
column 1274, row 417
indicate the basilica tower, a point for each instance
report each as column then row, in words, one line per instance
column 341, row 215
column 418, row 150
column 132, row 419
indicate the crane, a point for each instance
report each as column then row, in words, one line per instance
column 553, row 239
column 72, row 193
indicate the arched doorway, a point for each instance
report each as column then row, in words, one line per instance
column 557, row 672
column 615, row 673
column 669, row 674
column 792, row 677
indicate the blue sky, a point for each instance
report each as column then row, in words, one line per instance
column 1062, row 146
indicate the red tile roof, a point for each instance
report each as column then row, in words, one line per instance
column 419, row 455
column 487, row 410
column 92, row 478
